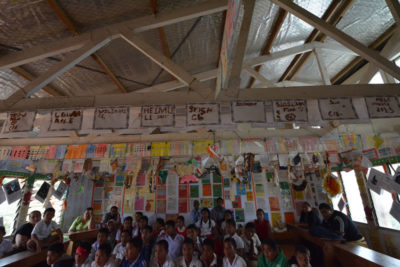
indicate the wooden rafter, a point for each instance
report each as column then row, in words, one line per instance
column 332, row 15
column 71, row 27
column 182, row 98
column 358, row 61
column 394, row 7
column 346, row 40
column 280, row 18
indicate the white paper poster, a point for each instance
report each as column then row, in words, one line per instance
column 261, row 203
column 249, row 210
column 395, row 210
column 202, row 114
column 337, row 109
column 62, row 187
column 66, row 120
column 290, row 110
column 12, row 191
column 157, row 115
column 383, row 107
column 19, row 122
column 248, row 111
column 374, row 180
column 172, row 193
column 111, row 118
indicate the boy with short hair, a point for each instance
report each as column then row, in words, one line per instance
column 56, row 258
column 208, row 257
column 119, row 250
column 174, row 241
column 23, row 233
column 231, row 232
column 126, row 226
column 232, row 259
column 41, row 234
column 5, row 245
column 161, row 258
column 133, row 257
column 103, row 257
column 252, row 244
column 187, row 259
column 102, row 238
column 148, row 243
column 193, row 233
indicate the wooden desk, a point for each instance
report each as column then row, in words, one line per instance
column 79, row 236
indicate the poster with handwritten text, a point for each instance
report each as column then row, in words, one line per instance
column 19, row 121
column 337, row 109
column 157, row 115
column 202, row 114
column 290, row 110
column 111, row 118
column 66, row 120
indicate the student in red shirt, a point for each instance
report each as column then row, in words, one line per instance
column 263, row 227
column 180, row 226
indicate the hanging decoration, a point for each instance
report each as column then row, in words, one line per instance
column 331, row 185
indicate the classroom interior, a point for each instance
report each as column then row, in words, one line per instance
column 152, row 105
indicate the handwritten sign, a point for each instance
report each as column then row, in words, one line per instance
column 111, row 118
column 383, row 107
column 337, row 109
column 202, row 114
column 248, row 111
column 66, row 120
column 157, row 115
column 290, row 110
column 19, row 122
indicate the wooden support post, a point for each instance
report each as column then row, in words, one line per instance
column 322, row 67
column 264, row 81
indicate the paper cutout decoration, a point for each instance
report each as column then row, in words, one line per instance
column 19, row 122
column 62, row 187
column 188, row 179
column 42, row 192
column 12, row 191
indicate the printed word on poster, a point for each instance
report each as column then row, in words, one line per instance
column 383, row 107
column 248, row 111
column 290, row 110
column 337, row 109
column 157, row 115
column 111, row 118
column 202, row 114
column 19, row 122
column 66, row 120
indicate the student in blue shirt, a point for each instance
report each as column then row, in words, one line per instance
column 133, row 258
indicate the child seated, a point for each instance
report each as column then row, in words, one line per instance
column 42, row 232
column 5, row 245
column 193, row 233
column 126, row 226
column 180, row 226
column 301, row 257
column 56, row 257
column 159, row 229
column 148, row 243
column 174, row 241
column 133, row 257
column 102, row 238
column 252, row 244
column 208, row 257
column 23, row 233
column 206, row 225
column 112, row 232
column 103, row 257
column 227, row 216
column 188, row 259
column 231, row 232
column 119, row 250
column 135, row 225
column 232, row 259
column 271, row 255
column 161, row 255
column 82, row 255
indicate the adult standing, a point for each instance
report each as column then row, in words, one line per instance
column 195, row 214
column 218, row 213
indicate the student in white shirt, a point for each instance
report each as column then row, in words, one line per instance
column 206, row 224
column 193, row 233
column 82, row 255
column 232, row 259
column 231, row 232
column 252, row 244
column 119, row 250
column 161, row 258
column 41, row 234
column 126, row 226
column 208, row 257
column 135, row 224
column 188, row 259
column 5, row 245
column 227, row 216
column 103, row 257
column 174, row 240
column 301, row 257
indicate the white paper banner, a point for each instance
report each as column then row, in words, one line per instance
column 248, row 111
column 374, row 181
column 12, row 191
column 111, row 118
column 66, row 120
column 19, row 122
column 158, row 115
column 203, row 114
column 290, row 110
column 62, row 187
column 383, row 107
column 337, row 109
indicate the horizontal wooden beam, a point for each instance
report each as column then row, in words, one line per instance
column 346, row 40
column 135, row 25
column 182, row 98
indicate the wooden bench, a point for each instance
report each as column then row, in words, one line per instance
column 334, row 253
column 79, row 236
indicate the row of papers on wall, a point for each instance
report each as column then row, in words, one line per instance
column 143, row 119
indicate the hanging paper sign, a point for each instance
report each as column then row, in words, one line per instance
column 43, row 191
column 290, row 110
column 19, row 122
column 12, row 191
column 111, row 118
column 202, row 114
column 157, row 115
column 248, row 111
column 62, row 187
column 383, row 107
column 375, row 180
column 337, row 109
column 66, row 120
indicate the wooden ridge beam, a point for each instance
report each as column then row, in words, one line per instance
column 182, row 98
column 332, row 15
column 346, row 40
column 135, row 25
column 280, row 18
